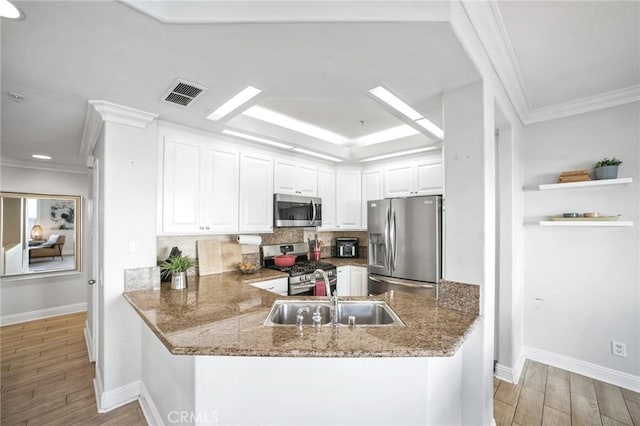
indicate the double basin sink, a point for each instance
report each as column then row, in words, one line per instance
column 366, row 313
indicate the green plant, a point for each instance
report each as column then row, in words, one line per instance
column 608, row 162
column 177, row 264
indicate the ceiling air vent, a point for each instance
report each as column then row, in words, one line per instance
column 183, row 93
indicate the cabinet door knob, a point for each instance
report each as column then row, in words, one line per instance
column 91, row 282
column 207, row 228
column 202, row 227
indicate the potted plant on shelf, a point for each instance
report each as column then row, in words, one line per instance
column 178, row 266
column 607, row 168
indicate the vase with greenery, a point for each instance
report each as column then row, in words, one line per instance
column 178, row 266
column 607, row 168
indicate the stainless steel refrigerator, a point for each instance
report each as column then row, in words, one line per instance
column 405, row 244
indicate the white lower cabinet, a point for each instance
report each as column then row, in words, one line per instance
column 256, row 192
column 344, row 280
column 352, row 281
column 279, row 285
column 358, row 281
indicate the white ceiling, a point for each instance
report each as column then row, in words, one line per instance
column 66, row 53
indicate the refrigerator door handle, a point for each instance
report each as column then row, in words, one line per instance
column 394, row 243
column 387, row 242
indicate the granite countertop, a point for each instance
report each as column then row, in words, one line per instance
column 223, row 315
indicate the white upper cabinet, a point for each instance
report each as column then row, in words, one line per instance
column 413, row 178
column 428, row 178
column 327, row 192
column 256, row 192
column 220, row 195
column 372, row 189
column 199, row 175
column 291, row 176
column 348, row 198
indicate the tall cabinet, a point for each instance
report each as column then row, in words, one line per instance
column 348, row 198
column 256, row 192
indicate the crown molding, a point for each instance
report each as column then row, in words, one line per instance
column 6, row 162
column 487, row 21
column 588, row 104
column 100, row 111
column 123, row 115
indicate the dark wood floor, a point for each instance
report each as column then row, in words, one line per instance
column 546, row 395
column 47, row 377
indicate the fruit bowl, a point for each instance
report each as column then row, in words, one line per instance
column 247, row 268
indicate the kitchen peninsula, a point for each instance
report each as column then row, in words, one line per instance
column 206, row 351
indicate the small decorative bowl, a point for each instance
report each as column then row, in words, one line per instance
column 248, row 268
column 591, row 214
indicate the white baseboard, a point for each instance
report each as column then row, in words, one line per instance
column 107, row 401
column 594, row 371
column 43, row 313
column 89, row 341
column 504, row 373
column 510, row 374
column 149, row 409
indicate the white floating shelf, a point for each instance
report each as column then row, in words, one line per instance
column 602, row 182
column 616, row 223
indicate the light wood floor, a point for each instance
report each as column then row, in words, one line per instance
column 549, row 396
column 47, row 377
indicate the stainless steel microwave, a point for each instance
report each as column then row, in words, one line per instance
column 296, row 211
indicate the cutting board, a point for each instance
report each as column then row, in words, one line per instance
column 209, row 257
column 215, row 257
column 231, row 254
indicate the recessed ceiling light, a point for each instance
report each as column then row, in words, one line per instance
column 394, row 102
column 437, row 131
column 256, row 139
column 233, row 103
column 41, row 157
column 316, row 154
column 398, row 154
column 7, row 10
column 282, row 120
column 391, row 134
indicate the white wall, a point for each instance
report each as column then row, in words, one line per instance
column 469, row 233
column 29, row 297
column 128, row 178
column 582, row 285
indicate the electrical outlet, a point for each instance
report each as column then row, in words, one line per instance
column 618, row 348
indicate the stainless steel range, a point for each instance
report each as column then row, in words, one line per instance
column 301, row 281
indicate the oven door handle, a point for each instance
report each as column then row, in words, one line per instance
column 304, row 286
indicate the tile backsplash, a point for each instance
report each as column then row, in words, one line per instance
column 251, row 253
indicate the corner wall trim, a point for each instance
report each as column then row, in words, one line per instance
column 43, row 313
column 149, row 409
column 598, row 372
